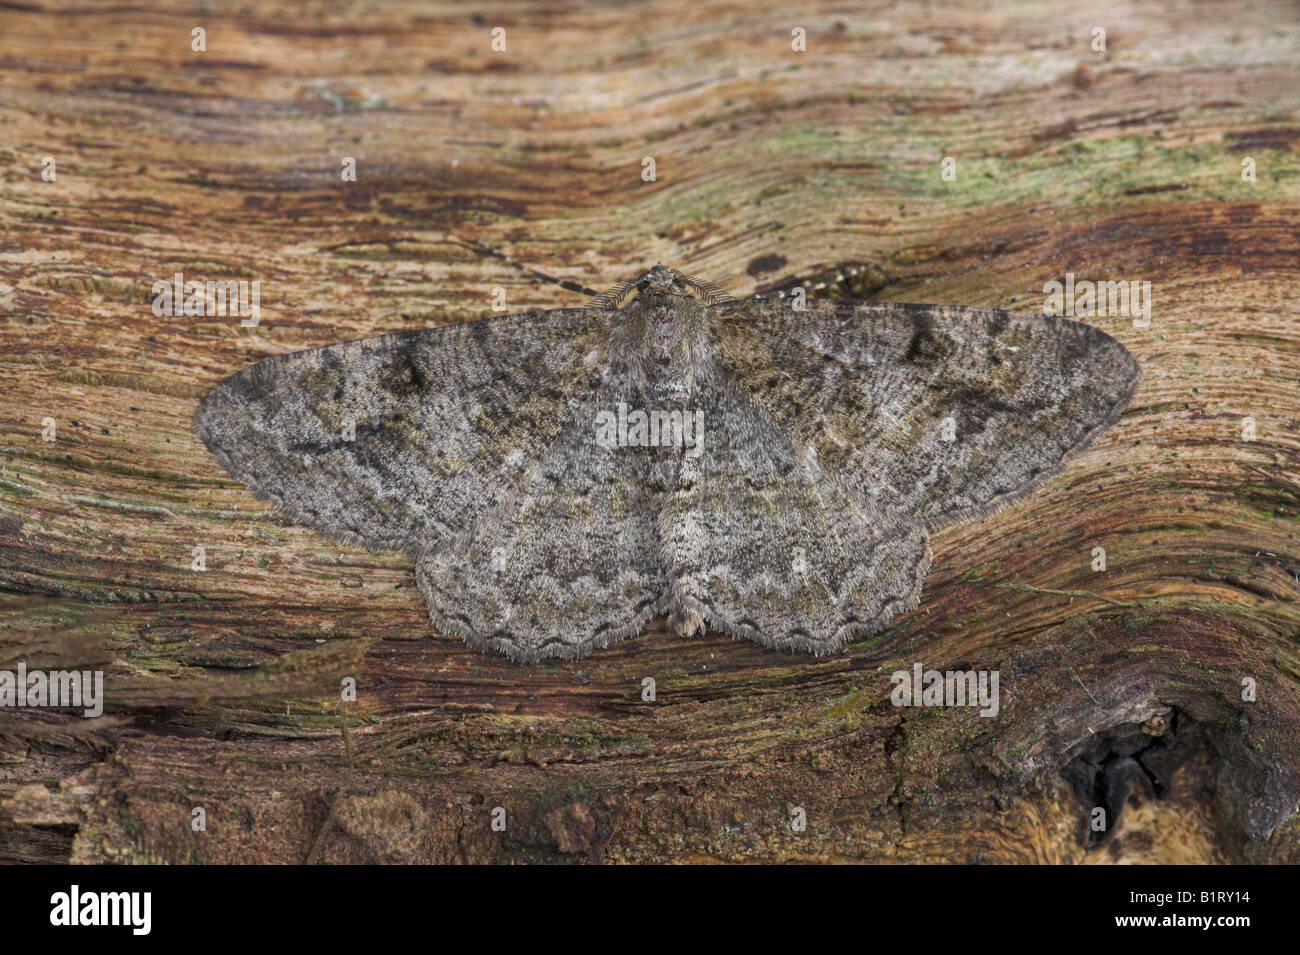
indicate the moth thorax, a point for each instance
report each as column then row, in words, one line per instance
column 663, row 337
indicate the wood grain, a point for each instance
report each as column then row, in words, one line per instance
column 774, row 168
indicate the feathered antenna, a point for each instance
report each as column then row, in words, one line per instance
column 613, row 298
column 568, row 284
column 710, row 293
column 624, row 292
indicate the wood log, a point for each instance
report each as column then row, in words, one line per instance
column 522, row 170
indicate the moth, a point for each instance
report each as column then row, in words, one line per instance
column 770, row 468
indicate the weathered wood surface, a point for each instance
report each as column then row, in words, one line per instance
column 773, row 167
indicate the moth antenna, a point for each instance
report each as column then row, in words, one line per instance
column 611, row 298
column 567, row 284
column 711, row 294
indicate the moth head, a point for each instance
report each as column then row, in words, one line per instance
column 664, row 293
column 663, row 325
column 666, row 311
column 660, row 285
column 659, row 326
column 663, row 281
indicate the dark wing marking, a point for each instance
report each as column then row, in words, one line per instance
column 938, row 411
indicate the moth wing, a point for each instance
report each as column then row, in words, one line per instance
column 939, row 411
column 763, row 544
column 404, row 440
column 569, row 561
